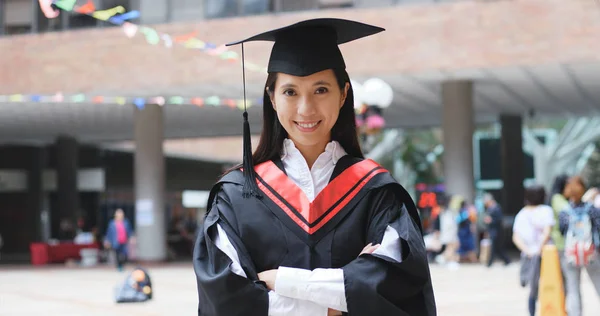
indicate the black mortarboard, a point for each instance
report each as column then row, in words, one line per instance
column 301, row 49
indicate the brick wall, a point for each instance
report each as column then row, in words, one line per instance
column 419, row 38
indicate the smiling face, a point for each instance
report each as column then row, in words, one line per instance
column 308, row 107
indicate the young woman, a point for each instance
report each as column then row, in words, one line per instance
column 575, row 190
column 531, row 231
column 309, row 227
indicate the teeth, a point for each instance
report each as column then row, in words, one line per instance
column 311, row 125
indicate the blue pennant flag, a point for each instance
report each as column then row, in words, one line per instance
column 139, row 102
column 121, row 18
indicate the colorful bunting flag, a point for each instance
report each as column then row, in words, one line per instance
column 87, row 8
column 139, row 102
column 66, row 5
column 119, row 16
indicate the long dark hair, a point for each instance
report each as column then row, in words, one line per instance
column 344, row 132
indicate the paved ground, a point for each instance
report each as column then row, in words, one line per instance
column 469, row 291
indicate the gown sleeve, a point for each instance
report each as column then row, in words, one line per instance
column 220, row 290
column 381, row 284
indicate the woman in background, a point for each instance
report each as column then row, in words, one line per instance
column 531, row 231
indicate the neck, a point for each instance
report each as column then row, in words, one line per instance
column 311, row 152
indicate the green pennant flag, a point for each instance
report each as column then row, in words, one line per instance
column 78, row 98
column 152, row 36
column 229, row 55
column 66, row 5
column 176, row 100
column 214, row 101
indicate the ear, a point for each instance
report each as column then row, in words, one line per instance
column 344, row 94
column 270, row 94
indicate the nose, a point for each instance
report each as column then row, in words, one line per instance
column 307, row 106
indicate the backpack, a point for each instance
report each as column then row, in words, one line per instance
column 581, row 239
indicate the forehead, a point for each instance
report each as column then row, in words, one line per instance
column 326, row 75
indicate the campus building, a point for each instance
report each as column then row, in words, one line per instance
column 72, row 86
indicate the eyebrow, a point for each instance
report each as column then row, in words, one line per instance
column 322, row 82
column 318, row 83
column 288, row 85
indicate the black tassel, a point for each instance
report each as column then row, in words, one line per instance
column 250, row 187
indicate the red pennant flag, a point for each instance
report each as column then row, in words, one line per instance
column 98, row 99
column 185, row 37
column 87, row 8
column 230, row 103
column 198, row 102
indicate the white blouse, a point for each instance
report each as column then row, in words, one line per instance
column 298, row 291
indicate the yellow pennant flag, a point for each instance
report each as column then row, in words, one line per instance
column 195, row 43
column 16, row 98
column 104, row 15
column 120, row 100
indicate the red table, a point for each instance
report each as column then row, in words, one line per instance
column 43, row 253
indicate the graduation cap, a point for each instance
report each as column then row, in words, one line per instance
column 300, row 49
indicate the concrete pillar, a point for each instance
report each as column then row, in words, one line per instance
column 35, row 191
column 458, row 126
column 149, row 168
column 67, row 163
column 513, row 163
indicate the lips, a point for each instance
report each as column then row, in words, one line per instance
column 307, row 126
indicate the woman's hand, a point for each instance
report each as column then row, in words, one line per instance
column 269, row 278
column 369, row 249
column 333, row 312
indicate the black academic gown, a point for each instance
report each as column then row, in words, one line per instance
column 284, row 229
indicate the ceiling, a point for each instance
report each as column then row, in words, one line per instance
column 548, row 90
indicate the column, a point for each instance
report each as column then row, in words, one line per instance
column 149, row 168
column 513, row 163
column 67, row 162
column 458, row 126
column 35, row 191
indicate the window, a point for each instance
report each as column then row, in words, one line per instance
column 294, row 5
column 230, row 8
column 330, row 4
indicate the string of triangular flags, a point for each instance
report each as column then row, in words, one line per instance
column 139, row 102
column 119, row 16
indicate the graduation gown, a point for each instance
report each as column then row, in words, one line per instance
column 284, row 229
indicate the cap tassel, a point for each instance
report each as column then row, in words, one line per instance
column 250, row 187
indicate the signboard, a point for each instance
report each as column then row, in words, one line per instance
column 144, row 215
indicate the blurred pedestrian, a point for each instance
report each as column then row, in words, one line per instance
column 580, row 224
column 118, row 235
column 494, row 221
column 531, row 231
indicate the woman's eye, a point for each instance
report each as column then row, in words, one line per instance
column 321, row 90
column 289, row 93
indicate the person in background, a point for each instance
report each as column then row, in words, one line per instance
column 466, row 237
column 558, row 201
column 448, row 235
column 493, row 219
column 531, row 231
column 575, row 190
column 118, row 235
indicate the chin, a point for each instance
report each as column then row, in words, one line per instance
column 308, row 141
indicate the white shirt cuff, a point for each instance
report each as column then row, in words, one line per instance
column 322, row 286
column 286, row 306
